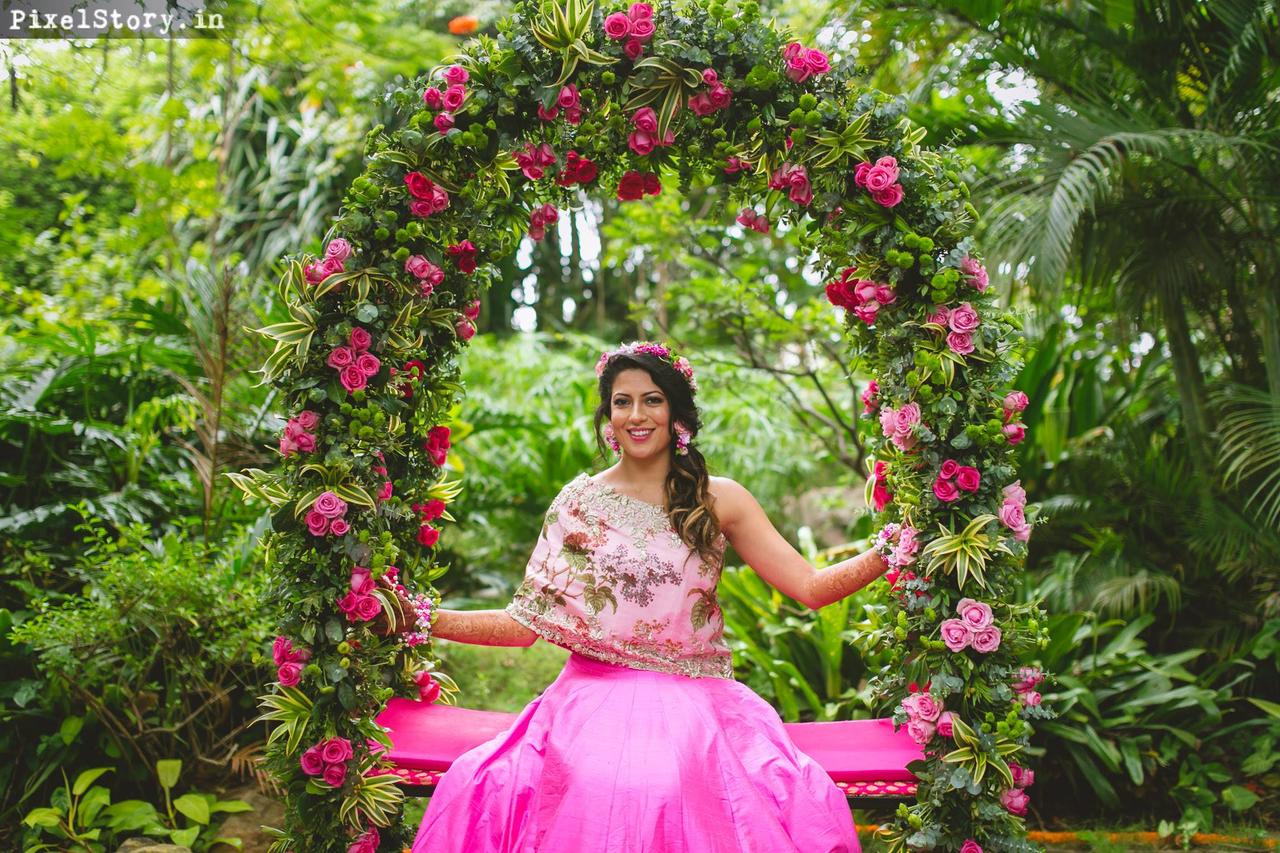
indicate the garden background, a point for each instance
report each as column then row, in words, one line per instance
column 1123, row 157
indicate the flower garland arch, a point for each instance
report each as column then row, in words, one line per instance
column 492, row 148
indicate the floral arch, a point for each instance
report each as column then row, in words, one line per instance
column 490, row 149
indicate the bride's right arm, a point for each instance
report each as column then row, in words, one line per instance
column 480, row 628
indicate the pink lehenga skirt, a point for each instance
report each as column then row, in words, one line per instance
column 611, row 759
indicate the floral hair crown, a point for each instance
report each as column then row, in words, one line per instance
column 680, row 363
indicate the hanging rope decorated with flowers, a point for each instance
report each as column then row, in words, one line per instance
column 494, row 147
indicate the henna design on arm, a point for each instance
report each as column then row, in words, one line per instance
column 845, row 578
column 481, row 628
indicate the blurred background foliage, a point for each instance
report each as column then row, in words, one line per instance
column 1124, row 155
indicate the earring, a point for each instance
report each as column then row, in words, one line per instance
column 611, row 439
column 682, row 439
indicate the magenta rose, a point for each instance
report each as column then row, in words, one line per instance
column 339, row 248
column 617, row 26
column 368, row 607
column 428, row 687
column 465, row 330
column 384, row 494
column 368, row 364
column 312, row 762
column 330, row 505
column 860, row 174
column 433, row 98
column 443, row 121
column 1022, row 777
column 880, row 178
column 974, row 614
column 949, row 469
column 454, row 96
column 640, row 12
column 428, row 535
column 642, row 29
column 641, row 142
column 360, row 339
column 928, row 708
column 645, row 119
column 955, row 634
column 944, row 724
column 968, row 478
column 289, row 674
column 964, row 318
column 1014, row 432
column 960, row 343
column 417, row 265
column 336, row 749
column 456, row 74
column 633, row 48
column 710, row 77
column 335, row 774
column 945, row 490
column 361, row 580
column 906, row 417
column 353, row 378
column 889, row 196
column 885, row 295
column 339, row 527
column 986, row 640
column 817, row 61
column 419, row 185
column 798, row 68
column 1015, row 401
column 281, row 650
column 340, row 357
column 1015, row 800
column 970, row 846
column 317, row 524
column 307, row 419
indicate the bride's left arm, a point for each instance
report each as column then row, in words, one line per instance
column 774, row 559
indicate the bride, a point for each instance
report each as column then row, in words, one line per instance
column 644, row 742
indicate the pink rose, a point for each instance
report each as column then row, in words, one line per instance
column 860, row 174
column 330, row 266
column 968, row 478
column 974, row 273
column 339, row 248
column 465, row 330
column 335, row 750
column 864, row 290
column 1022, row 777
column 974, row 614
column 960, row 343
column 456, row 74
column 289, row 674
column 353, row 378
column 888, row 197
column 368, row 364
column 964, row 318
column 312, row 762
column 428, row 690
column 642, row 29
column 368, row 607
column 880, row 494
column 798, row 68
column 1030, row 698
column 418, row 266
column 986, row 640
column 1014, row 432
column 384, row 494
column 428, row 536
column 633, row 48
column 817, row 61
column 1015, row 401
column 1011, row 515
column 339, row 527
column 281, row 650
column 454, row 96
column 1015, row 493
column 432, row 509
column 970, row 846
column 948, row 469
column 710, row 77
column 340, row 357
column 548, row 114
column 701, row 104
column 720, row 96
column 305, row 442
column 317, row 524
column 869, row 398
column 645, row 119
column 568, row 96
column 939, row 317
column 640, row 12
column 1015, row 800
column 920, row 730
column 885, row 295
column 617, row 26
column 880, row 178
column 443, row 121
column 928, row 708
column 307, row 419
column 360, row 339
column 433, row 98
column 944, row 724
column 330, row 505
column 369, row 841
column 955, row 634
column 335, row 774
column 906, row 417
column 641, row 143
column 361, row 582
column 945, row 490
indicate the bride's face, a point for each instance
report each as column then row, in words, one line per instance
column 640, row 414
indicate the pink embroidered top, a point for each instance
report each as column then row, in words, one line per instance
column 610, row 579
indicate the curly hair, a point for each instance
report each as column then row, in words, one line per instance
column 688, row 487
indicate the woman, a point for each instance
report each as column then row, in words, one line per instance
column 644, row 742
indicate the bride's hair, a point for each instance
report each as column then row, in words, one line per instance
column 688, row 486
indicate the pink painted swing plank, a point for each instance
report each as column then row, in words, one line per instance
column 865, row 758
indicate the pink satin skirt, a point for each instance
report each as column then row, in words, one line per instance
column 611, row 759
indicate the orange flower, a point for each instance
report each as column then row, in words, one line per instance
column 463, row 25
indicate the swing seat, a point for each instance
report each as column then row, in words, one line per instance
column 866, row 759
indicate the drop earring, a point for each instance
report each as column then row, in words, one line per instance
column 611, row 439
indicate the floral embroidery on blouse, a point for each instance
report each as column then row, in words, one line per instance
column 611, row 579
